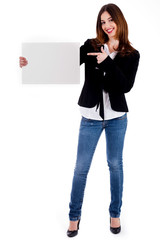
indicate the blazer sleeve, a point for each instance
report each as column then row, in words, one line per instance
column 84, row 51
column 120, row 76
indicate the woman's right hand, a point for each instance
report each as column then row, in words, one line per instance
column 22, row 61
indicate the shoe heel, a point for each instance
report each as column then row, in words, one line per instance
column 78, row 224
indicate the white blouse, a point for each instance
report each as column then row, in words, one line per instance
column 91, row 113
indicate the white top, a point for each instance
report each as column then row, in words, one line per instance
column 91, row 113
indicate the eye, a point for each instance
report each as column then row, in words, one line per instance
column 110, row 20
column 102, row 22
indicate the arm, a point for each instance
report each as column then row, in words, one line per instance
column 84, row 51
column 120, row 77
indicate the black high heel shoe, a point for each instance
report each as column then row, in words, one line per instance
column 74, row 232
column 115, row 230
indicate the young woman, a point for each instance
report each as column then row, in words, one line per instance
column 111, row 64
column 110, row 68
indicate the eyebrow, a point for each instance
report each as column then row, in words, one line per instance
column 108, row 18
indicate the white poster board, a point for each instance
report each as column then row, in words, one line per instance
column 51, row 62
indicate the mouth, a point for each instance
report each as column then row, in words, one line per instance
column 110, row 30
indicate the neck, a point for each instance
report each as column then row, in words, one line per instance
column 112, row 40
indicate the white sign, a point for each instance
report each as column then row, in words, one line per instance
column 51, row 62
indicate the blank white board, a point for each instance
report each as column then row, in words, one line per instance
column 51, row 62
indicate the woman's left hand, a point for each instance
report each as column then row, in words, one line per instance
column 100, row 55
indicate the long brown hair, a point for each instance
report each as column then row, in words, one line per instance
column 124, row 47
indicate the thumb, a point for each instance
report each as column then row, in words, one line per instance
column 102, row 50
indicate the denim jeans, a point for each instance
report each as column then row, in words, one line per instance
column 89, row 134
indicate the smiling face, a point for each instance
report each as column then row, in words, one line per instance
column 108, row 25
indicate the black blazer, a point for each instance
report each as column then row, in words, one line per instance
column 118, row 79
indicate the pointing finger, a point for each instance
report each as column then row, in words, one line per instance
column 93, row 54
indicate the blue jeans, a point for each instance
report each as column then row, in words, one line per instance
column 89, row 133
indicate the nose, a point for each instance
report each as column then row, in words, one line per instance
column 107, row 26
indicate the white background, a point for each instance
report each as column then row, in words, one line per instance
column 39, row 127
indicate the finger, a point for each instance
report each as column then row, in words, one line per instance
column 93, row 54
column 23, row 63
column 22, row 58
column 102, row 50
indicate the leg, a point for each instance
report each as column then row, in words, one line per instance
column 90, row 131
column 115, row 133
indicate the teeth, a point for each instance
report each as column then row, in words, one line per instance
column 110, row 30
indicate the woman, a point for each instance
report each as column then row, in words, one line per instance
column 111, row 64
column 110, row 72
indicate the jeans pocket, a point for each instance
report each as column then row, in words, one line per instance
column 88, row 122
column 86, row 119
column 122, row 117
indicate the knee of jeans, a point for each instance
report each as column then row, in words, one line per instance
column 81, row 170
column 115, row 164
